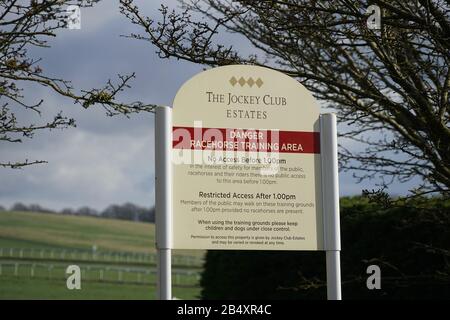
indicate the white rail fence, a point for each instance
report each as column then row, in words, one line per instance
column 101, row 256
column 97, row 273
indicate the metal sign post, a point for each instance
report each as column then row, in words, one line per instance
column 163, row 200
column 330, row 194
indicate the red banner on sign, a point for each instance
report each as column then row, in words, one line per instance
column 249, row 140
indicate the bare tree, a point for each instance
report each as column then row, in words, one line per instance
column 390, row 86
column 28, row 24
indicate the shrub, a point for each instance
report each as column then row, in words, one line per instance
column 410, row 244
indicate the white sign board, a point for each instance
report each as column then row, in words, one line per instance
column 246, row 162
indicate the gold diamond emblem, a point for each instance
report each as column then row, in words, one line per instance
column 259, row 82
column 241, row 81
column 250, row 82
column 233, row 81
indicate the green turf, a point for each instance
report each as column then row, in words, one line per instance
column 26, row 244
column 34, row 238
column 26, row 288
column 89, row 273
column 43, row 230
column 77, row 232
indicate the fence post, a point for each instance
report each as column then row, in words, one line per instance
column 16, row 269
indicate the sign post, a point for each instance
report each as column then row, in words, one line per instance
column 330, row 193
column 245, row 161
column 163, row 200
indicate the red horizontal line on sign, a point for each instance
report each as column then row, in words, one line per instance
column 249, row 140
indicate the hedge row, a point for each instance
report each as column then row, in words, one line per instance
column 410, row 244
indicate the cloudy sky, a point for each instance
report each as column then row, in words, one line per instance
column 103, row 160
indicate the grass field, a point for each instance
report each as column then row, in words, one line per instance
column 31, row 233
column 42, row 230
column 22, row 288
column 36, row 229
